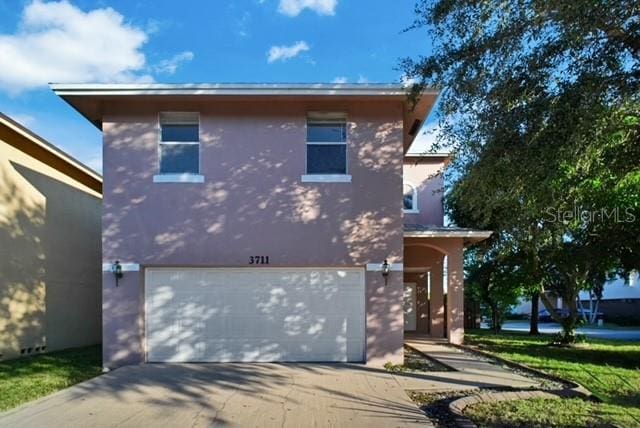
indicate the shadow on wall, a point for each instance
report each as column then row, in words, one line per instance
column 252, row 200
column 49, row 262
column 22, row 271
column 254, row 203
column 428, row 182
column 385, row 318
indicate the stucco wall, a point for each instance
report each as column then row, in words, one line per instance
column 49, row 257
column 252, row 203
column 425, row 175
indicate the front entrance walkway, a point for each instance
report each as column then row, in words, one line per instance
column 471, row 371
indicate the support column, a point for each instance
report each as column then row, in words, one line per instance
column 455, row 297
column 436, row 302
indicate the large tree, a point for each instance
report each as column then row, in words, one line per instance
column 540, row 107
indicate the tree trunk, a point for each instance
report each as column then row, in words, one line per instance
column 582, row 311
column 535, row 309
column 570, row 323
column 495, row 318
column 594, row 313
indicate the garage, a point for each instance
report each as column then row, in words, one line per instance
column 258, row 314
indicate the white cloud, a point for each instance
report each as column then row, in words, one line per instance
column 339, row 79
column 58, row 42
column 170, row 66
column 362, row 79
column 294, row 7
column 283, row 53
column 25, row 120
column 243, row 25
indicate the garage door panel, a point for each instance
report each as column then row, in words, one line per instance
column 229, row 350
column 255, row 315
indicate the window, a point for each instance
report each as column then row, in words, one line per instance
column 179, row 149
column 410, row 198
column 326, row 146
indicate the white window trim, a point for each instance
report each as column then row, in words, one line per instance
column 414, row 209
column 187, row 177
column 326, row 178
column 178, row 178
column 328, row 117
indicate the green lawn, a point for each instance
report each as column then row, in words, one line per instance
column 25, row 379
column 609, row 369
column 541, row 413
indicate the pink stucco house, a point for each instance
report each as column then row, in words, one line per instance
column 270, row 222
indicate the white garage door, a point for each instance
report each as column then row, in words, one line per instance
column 271, row 314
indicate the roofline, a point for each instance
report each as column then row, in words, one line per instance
column 247, row 89
column 47, row 146
column 88, row 98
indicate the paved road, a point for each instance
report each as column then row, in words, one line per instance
column 598, row 333
column 246, row 395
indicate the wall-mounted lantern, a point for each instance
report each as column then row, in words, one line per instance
column 386, row 269
column 116, row 268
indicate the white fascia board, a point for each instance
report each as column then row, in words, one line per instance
column 231, row 89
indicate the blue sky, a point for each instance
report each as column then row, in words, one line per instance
column 188, row 41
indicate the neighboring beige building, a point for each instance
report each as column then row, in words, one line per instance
column 50, row 261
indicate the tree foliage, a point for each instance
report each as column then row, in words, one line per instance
column 541, row 109
column 496, row 281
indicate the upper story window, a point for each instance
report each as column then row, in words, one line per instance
column 179, row 149
column 326, row 147
column 410, row 198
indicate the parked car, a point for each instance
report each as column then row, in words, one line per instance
column 545, row 316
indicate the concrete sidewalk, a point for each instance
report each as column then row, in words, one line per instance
column 471, row 371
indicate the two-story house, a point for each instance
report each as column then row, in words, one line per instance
column 264, row 222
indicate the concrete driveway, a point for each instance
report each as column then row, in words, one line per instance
column 247, row 395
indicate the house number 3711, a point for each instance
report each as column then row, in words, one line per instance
column 258, row 260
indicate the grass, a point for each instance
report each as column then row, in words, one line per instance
column 25, row 379
column 609, row 369
column 540, row 413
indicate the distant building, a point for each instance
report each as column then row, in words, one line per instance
column 619, row 299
